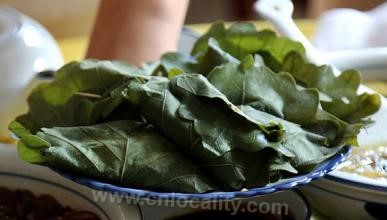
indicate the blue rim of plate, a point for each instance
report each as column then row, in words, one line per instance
column 284, row 184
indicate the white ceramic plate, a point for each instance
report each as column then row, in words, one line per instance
column 346, row 200
column 16, row 174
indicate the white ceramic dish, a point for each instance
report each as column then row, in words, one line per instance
column 348, row 197
column 16, row 174
column 364, row 196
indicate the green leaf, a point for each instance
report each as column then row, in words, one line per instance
column 210, row 129
column 213, row 57
column 29, row 149
column 339, row 94
column 123, row 152
column 79, row 94
column 242, row 39
column 279, row 95
column 221, row 45
column 18, row 127
column 309, row 149
column 265, row 90
column 172, row 60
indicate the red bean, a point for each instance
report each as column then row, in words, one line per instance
column 24, row 205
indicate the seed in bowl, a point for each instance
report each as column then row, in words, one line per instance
column 369, row 162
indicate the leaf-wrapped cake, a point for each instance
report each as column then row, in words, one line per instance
column 244, row 110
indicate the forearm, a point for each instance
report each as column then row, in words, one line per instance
column 136, row 30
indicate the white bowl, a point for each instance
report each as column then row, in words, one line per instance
column 17, row 174
column 348, row 196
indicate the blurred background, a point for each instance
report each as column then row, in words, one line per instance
column 72, row 18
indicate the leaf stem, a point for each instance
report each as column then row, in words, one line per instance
column 89, row 95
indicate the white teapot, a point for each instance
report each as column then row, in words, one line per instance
column 26, row 49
